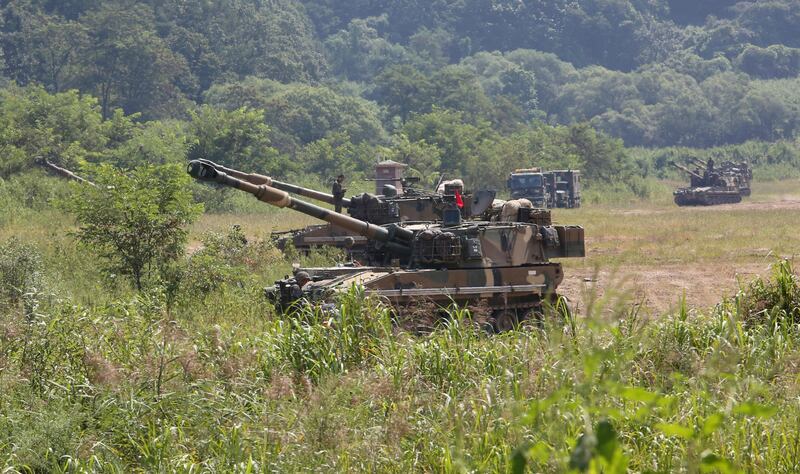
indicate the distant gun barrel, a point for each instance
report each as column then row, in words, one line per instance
column 65, row 173
column 408, row 179
column 259, row 179
column 697, row 161
column 687, row 170
column 398, row 237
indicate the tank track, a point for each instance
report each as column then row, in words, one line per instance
column 711, row 198
column 423, row 317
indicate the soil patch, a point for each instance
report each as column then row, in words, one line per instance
column 659, row 289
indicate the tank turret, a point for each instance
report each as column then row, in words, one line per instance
column 504, row 264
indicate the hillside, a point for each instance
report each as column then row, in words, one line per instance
column 657, row 73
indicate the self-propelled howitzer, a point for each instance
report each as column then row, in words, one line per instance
column 412, row 206
column 504, row 265
column 707, row 187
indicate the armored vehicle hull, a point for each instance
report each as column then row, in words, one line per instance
column 509, row 295
column 706, row 196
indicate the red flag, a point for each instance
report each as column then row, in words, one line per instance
column 459, row 201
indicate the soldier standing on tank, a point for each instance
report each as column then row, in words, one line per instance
column 338, row 192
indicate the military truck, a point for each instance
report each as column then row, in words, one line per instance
column 530, row 184
column 564, row 188
column 546, row 189
column 502, row 266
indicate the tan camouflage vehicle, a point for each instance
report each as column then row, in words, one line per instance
column 504, row 266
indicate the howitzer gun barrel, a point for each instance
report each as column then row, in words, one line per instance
column 259, row 179
column 687, row 170
column 698, row 161
column 206, row 171
column 63, row 172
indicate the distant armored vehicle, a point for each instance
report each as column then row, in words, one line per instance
column 502, row 266
column 546, row 189
column 708, row 187
column 740, row 172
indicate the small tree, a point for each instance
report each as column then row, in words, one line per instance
column 136, row 221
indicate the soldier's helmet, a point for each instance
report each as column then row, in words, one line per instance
column 302, row 276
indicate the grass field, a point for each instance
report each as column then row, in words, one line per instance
column 95, row 378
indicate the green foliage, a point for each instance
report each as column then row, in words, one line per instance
column 335, row 154
column 131, row 67
column 774, row 302
column 423, row 159
column 304, row 114
column 28, row 193
column 775, row 61
column 652, row 73
column 450, row 132
column 237, row 138
column 44, row 48
column 155, row 143
column 65, row 128
column 136, row 221
column 359, row 52
column 20, row 271
column 225, row 260
column 267, row 39
column 299, row 114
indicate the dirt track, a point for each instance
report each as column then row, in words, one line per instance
column 789, row 203
column 659, row 288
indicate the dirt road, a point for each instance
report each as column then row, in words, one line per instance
column 659, row 289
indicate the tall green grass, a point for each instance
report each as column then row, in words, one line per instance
column 223, row 384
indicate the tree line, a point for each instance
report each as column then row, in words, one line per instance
column 472, row 88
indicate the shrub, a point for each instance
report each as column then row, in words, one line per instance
column 137, row 222
column 775, row 301
column 20, row 270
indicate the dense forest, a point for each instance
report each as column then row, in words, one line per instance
column 471, row 87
